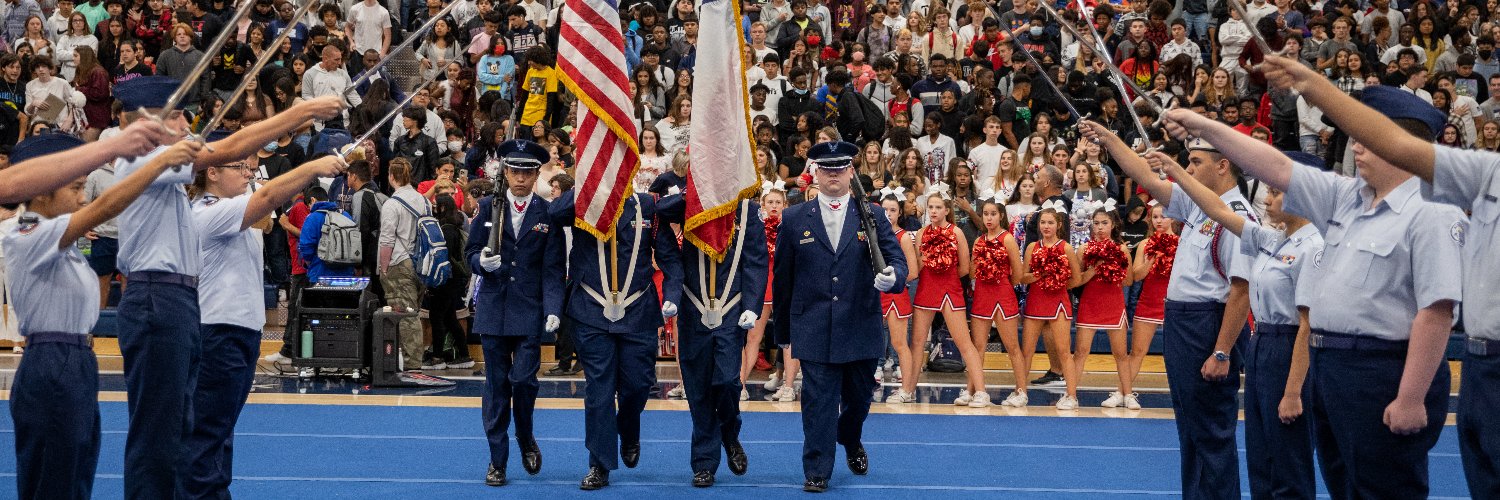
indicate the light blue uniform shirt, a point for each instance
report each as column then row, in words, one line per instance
column 1468, row 180
column 1277, row 270
column 1379, row 265
column 232, row 279
column 1194, row 276
column 53, row 290
column 156, row 231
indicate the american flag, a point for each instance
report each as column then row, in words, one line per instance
column 591, row 58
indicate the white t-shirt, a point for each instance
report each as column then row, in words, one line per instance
column 985, row 160
column 369, row 23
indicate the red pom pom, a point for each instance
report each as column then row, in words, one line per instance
column 991, row 264
column 1051, row 267
column 1107, row 260
column 939, row 248
column 773, row 223
column 1163, row 247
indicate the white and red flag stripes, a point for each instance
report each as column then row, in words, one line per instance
column 720, row 147
column 591, row 59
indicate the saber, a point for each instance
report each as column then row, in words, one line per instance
column 239, row 91
column 404, row 44
column 1048, row 78
column 213, row 48
column 353, row 146
column 1260, row 41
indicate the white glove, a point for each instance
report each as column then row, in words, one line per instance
column 489, row 261
column 552, row 323
column 668, row 310
column 886, row 280
column 747, row 319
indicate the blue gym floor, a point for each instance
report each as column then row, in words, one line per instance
column 328, row 451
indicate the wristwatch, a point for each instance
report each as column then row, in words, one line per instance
column 1221, row 355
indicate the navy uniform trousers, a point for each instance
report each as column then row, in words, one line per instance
column 511, row 363
column 159, row 338
column 619, row 370
column 1280, row 456
column 1360, row 457
column 225, row 374
column 834, row 396
column 54, row 402
column 1207, row 412
column 1478, row 439
column 710, row 362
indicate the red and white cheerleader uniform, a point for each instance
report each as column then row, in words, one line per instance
column 938, row 283
column 900, row 303
column 1101, row 306
column 994, row 295
column 773, row 224
column 1047, row 297
column 1151, row 307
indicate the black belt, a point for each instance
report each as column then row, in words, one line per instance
column 1274, row 329
column 162, row 277
column 79, row 339
column 1483, row 347
column 1324, row 339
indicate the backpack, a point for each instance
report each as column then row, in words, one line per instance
column 431, row 255
column 944, row 356
column 874, row 119
column 339, row 242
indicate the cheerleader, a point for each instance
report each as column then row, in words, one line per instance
column 996, row 259
column 1101, row 306
column 943, row 258
column 1152, row 267
column 897, row 306
column 1051, row 269
column 772, row 200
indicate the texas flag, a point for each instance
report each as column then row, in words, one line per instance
column 720, row 146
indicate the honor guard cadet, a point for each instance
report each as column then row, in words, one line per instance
column 229, row 216
column 825, row 305
column 724, row 300
column 1381, row 299
column 613, row 302
column 1207, row 305
column 1468, row 180
column 519, row 298
column 54, row 399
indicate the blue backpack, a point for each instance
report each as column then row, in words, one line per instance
column 431, row 256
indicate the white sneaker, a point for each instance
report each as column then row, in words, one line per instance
column 901, row 396
column 774, row 383
column 676, row 392
column 1015, row 400
column 1132, row 401
column 786, row 394
column 744, row 394
column 1114, row 400
column 898, row 374
column 277, row 358
column 981, row 400
column 1067, row 403
column 963, row 398
column 879, row 375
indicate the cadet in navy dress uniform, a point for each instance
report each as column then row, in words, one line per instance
column 1468, row 180
column 825, row 305
column 1278, row 438
column 1381, row 301
column 54, row 399
column 159, row 313
column 519, row 297
column 616, row 328
column 1207, row 305
column 229, row 219
column 712, row 330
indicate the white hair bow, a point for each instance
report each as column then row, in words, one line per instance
column 1055, row 205
column 896, row 191
column 992, row 195
column 939, row 189
column 777, row 185
column 1108, row 205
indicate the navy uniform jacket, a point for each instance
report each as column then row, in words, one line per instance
column 514, row 299
column 586, row 279
column 750, row 266
column 825, row 302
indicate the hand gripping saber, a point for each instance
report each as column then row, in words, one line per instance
column 390, row 54
column 254, row 70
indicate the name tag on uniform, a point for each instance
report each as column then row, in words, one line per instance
column 805, row 241
column 489, row 224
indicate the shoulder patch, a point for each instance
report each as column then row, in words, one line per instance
column 1458, row 231
column 1238, row 206
column 1318, row 259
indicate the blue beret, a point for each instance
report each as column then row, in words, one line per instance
column 833, row 155
column 43, row 145
column 1397, row 104
column 147, row 92
column 217, row 135
column 523, row 154
column 1304, row 158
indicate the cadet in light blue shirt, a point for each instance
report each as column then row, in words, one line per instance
column 54, row 399
column 1381, row 301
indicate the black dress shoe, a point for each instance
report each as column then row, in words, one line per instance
column 703, row 479
column 531, row 457
column 738, row 462
column 557, row 371
column 859, row 461
column 815, row 485
column 630, row 454
column 576, row 369
column 495, row 477
column 598, row 478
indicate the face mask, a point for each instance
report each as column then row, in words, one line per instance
column 1036, row 31
column 271, row 147
column 456, row 146
column 799, row 91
